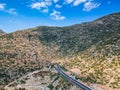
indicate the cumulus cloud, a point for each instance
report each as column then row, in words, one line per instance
column 45, row 10
column 43, row 4
column 2, row 6
column 77, row 2
column 46, row 6
column 38, row 5
column 55, row 1
column 68, row 1
column 88, row 6
column 74, row 2
column 58, row 6
column 10, row 11
column 57, row 15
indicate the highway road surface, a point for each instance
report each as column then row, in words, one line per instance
column 69, row 78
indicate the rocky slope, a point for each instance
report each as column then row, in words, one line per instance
column 93, row 48
column 44, row 79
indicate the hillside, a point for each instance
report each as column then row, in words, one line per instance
column 1, row 32
column 93, row 48
column 41, row 80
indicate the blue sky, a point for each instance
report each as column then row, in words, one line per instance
column 21, row 14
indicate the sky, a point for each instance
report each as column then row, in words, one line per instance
column 22, row 14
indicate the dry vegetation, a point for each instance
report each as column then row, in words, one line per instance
column 93, row 48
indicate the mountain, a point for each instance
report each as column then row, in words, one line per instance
column 1, row 32
column 74, row 39
column 91, row 49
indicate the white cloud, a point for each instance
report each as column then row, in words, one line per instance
column 77, row 2
column 48, row 2
column 68, row 1
column 57, row 15
column 45, row 10
column 88, row 6
column 58, row 6
column 2, row 6
column 55, row 1
column 38, row 5
column 10, row 11
column 43, row 4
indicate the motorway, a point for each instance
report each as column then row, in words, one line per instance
column 69, row 78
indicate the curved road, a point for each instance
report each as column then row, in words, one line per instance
column 62, row 73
